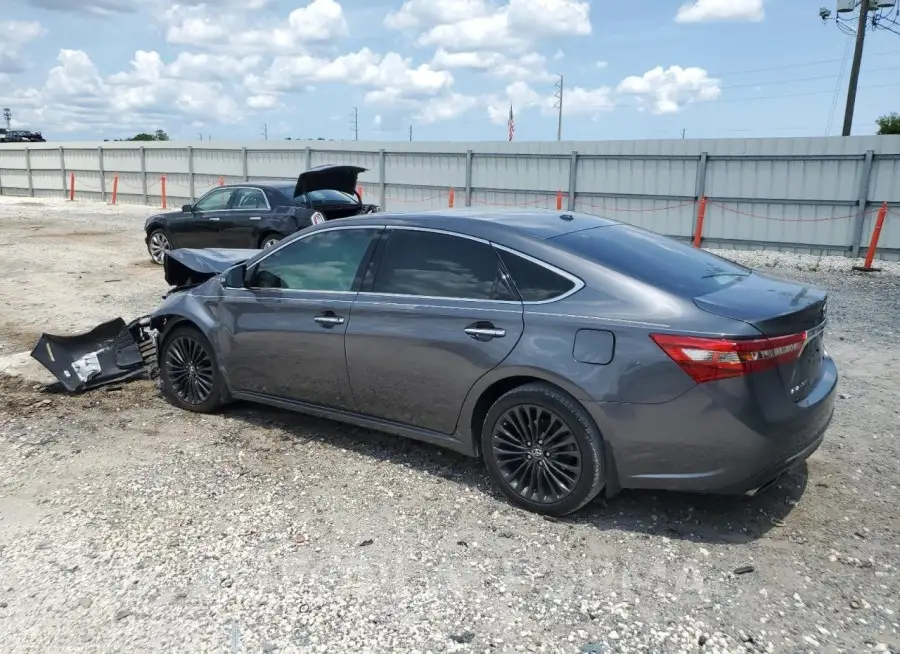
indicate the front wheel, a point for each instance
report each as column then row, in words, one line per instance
column 542, row 450
column 190, row 376
column 157, row 245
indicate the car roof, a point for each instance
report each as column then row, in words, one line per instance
column 490, row 224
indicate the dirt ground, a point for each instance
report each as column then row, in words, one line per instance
column 128, row 525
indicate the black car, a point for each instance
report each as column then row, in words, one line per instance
column 20, row 136
column 250, row 215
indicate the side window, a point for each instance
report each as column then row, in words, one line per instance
column 535, row 283
column 250, row 198
column 326, row 261
column 440, row 265
column 215, row 200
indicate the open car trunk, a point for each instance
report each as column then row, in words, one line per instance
column 338, row 177
column 115, row 351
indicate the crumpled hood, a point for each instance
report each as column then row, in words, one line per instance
column 188, row 266
column 338, row 177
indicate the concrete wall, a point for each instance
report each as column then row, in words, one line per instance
column 803, row 194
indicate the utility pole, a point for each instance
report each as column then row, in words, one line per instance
column 265, row 131
column 857, row 62
column 355, row 126
column 410, row 133
column 7, row 116
column 683, row 132
column 559, row 106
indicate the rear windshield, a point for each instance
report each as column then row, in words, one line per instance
column 654, row 259
column 329, row 196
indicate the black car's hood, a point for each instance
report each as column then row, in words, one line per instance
column 187, row 267
column 338, row 177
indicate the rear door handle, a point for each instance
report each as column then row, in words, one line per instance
column 484, row 331
column 213, row 218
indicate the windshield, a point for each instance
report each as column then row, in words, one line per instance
column 654, row 259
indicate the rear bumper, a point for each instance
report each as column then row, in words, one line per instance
column 699, row 442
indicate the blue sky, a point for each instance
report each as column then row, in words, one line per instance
column 94, row 69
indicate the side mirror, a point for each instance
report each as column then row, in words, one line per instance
column 236, row 277
column 187, row 208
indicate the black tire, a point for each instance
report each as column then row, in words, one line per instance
column 271, row 239
column 204, row 390
column 155, row 239
column 576, row 443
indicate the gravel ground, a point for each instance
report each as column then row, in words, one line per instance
column 128, row 525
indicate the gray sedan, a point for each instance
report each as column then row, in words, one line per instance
column 574, row 354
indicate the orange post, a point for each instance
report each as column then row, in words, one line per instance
column 450, row 198
column 559, row 200
column 115, row 188
column 71, row 186
column 162, row 186
column 701, row 215
column 359, row 191
column 876, row 234
column 221, row 181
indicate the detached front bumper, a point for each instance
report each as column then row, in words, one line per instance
column 111, row 352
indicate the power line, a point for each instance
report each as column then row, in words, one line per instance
column 800, row 65
column 837, row 88
column 795, row 80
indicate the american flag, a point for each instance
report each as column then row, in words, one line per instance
column 511, row 123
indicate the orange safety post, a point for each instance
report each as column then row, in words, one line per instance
column 115, row 188
column 559, row 200
column 873, row 244
column 359, row 191
column 162, row 186
column 450, row 198
column 701, row 215
column 71, row 186
column 221, row 181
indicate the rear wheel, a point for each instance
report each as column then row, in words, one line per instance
column 190, row 376
column 542, row 450
column 157, row 245
column 268, row 241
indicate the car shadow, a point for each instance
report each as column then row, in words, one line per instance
column 699, row 518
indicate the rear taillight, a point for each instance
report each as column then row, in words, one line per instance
column 317, row 218
column 708, row 359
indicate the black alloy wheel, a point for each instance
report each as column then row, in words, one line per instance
column 543, row 450
column 189, row 373
column 537, row 454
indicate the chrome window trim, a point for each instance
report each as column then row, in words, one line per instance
column 577, row 281
column 210, row 192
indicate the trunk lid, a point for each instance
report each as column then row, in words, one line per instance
column 189, row 267
column 339, row 177
column 777, row 307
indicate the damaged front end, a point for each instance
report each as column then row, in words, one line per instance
column 117, row 351
column 109, row 353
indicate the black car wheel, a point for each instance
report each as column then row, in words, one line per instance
column 157, row 245
column 543, row 450
column 190, row 376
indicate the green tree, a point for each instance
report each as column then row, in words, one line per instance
column 889, row 124
column 158, row 135
column 161, row 135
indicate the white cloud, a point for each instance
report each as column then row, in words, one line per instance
column 262, row 101
column 201, row 25
column 389, row 73
column 473, row 25
column 530, row 66
column 576, row 101
column 669, row 90
column 602, row 64
column 14, row 35
column 109, row 8
column 700, row 11
column 75, row 97
column 415, row 13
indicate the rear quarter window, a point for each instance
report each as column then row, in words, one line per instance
column 654, row 259
column 534, row 282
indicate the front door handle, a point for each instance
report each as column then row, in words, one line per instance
column 328, row 319
column 484, row 331
column 213, row 218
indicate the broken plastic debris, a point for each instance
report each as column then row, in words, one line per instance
column 87, row 366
